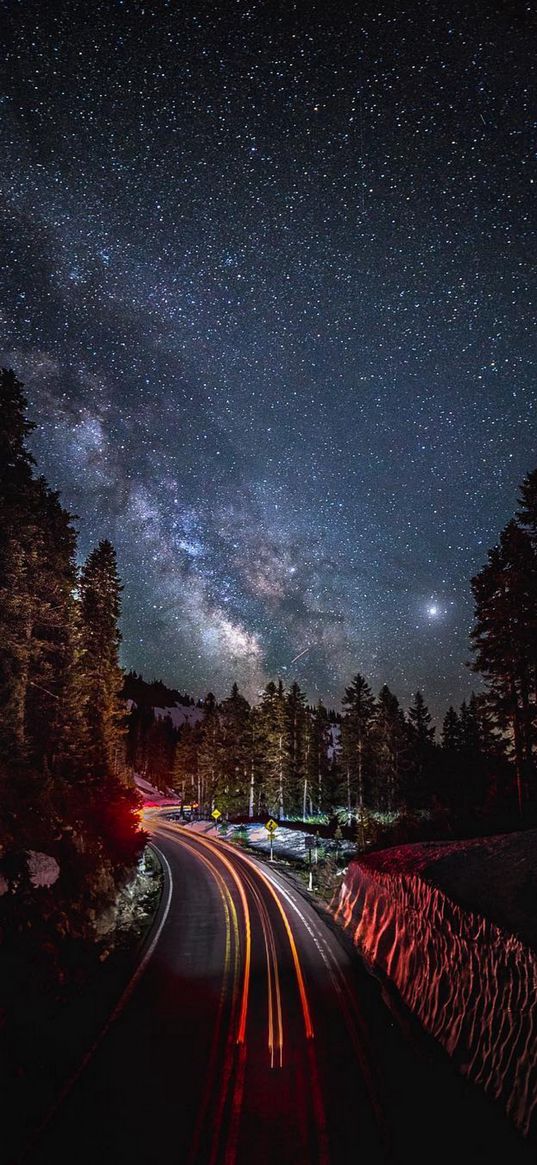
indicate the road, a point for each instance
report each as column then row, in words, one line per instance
column 250, row 1035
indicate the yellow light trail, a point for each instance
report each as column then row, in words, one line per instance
column 273, row 976
column 241, row 880
column 216, row 852
column 230, row 914
column 298, row 969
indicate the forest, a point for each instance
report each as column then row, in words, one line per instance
column 70, row 814
column 74, row 728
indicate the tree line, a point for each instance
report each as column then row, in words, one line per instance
column 284, row 758
column 64, row 786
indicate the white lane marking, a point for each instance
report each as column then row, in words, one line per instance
column 123, row 1000
column 319, row 942
column 342, row 988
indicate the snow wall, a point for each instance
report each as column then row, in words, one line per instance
column 471, row 985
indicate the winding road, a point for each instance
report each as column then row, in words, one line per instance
column 250, row 1035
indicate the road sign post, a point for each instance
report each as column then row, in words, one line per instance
column 309, row 843
column 215, row 815
column 271, row 828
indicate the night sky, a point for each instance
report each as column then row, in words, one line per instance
column 267, row 277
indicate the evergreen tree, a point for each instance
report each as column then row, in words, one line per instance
column 210, row 756
column 255, row 761
column 451, row 731
column 298, row 746
column 505, row 644
column 185, row 772
column 236, row 769
column 421, row 759
column 47, row 677
column 527, row 514
column 318, row 765
column 100, row 605
column 162, row 740
column 274, row 749
column 358, row 707
column 40, row 697
column 390, row 743
column 137, row 747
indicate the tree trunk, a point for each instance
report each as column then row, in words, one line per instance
column 517, row 739
column 252, row 790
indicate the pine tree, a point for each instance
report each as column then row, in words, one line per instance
column 358, row 707
column 100, row 605
column 50, row 666
column 298, row 745
column 390, row 743
column 420, row 767
column 236, row 769
column 274, row 748
column 451, row 731
column 527, row 514
column 18, row 565
column 527, row 517
column 40, row 695
column 255, row 761
column 318, row 760
column 162, row 739
column 210, row 756
column 185, row 772
column 504, row 639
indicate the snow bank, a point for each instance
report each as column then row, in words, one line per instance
column 471, row 984
column 152, row 796
column 286, row 842
column 42, row 868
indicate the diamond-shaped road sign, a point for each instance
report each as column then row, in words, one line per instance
column 216, row 814
column 271, row 826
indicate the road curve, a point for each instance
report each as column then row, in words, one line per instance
column 249, row 1035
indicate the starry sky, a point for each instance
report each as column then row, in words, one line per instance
column 267, row 276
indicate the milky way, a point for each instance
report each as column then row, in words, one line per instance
column 268, row 273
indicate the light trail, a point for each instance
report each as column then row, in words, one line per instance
column 301, row 653
column 275, row 1018
column 273, row 976
column 353, row 1020
column 210, row 846
column 246, row 883
column 235, row 1054
column 316, row 1095
column 294, row 952
column 230, row 914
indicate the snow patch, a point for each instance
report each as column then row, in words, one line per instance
column 286, row 842
column 180, row 714
column 42, row 868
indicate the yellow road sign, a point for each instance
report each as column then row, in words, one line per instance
column 271, row 826
column 216, row 814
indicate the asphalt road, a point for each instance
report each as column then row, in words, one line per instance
column 251, row 1035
